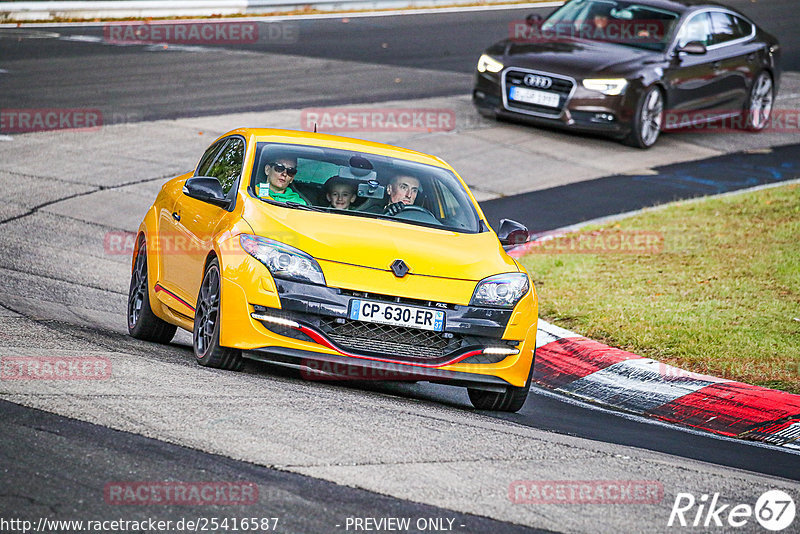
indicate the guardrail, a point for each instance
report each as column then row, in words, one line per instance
column 107, row 9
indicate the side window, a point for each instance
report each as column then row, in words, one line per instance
column 697, row 28
column 724, row 27
column 208, row 158
column 743, row 27
column 450, row 202
column 228, row 165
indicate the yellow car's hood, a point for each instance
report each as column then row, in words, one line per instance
column 376, row 243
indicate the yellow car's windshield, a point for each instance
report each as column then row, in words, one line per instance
column 361, row 184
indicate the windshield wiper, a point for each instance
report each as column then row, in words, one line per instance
column 298, row 206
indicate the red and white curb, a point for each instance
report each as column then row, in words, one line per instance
column 574, row 365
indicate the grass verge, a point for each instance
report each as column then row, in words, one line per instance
column 711, row 286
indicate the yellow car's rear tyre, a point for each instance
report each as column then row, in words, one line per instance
column 205, row 334
column 142, row 322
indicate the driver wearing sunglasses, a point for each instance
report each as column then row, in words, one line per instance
column 280, row 174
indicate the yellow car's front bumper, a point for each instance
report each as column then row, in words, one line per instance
column 307, row 325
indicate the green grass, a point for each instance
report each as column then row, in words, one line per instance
column 720, row 295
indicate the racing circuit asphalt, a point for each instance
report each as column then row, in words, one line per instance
column 367, row 59
column 164, row 418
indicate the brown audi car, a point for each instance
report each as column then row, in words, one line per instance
column 631, row 69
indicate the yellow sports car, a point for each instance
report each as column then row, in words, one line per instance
column 340, row 257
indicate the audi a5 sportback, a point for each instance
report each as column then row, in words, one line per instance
column 341, row 257
column 630, row 69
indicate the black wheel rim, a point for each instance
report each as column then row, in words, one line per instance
column 761, row 102
column 652, row 113
column 138, row 289
column 207, row 312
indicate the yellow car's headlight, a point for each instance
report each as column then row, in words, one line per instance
column 282, row 260
column 607, row 86
column 503, row 290
column 488, row 63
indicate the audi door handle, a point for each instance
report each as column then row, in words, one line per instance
column 176, row 216
column 716, row 65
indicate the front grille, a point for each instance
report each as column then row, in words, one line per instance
column 561, row 86
column 397, row 341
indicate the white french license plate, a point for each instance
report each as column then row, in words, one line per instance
column 532, row 96
column 396, row 315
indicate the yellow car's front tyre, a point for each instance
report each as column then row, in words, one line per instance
column 510, row 400
column 142, row 322
column 205, row 334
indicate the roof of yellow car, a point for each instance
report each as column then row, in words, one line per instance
column 336, row 141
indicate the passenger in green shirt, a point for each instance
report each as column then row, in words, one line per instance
column 280, row 174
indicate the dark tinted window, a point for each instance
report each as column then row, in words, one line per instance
column 208, row 158
column 228, row 164
column 743, row 27
column 616, row 21
column 724, row 28
column 697, row 28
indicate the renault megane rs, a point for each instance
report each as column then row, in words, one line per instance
column 338, row 255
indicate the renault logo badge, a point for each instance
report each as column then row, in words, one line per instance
column 399, row 268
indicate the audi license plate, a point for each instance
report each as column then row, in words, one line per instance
column 533, row 96
column 396, row 315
